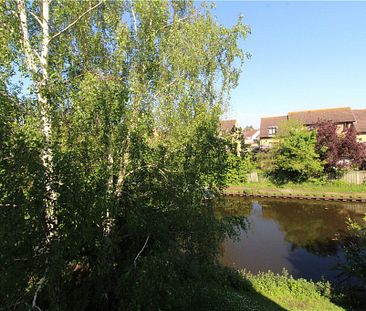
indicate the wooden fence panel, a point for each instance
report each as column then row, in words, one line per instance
column 354, row 177
column 253, row 177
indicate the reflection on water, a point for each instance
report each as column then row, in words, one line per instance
column 305, row 237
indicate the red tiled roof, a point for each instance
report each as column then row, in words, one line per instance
column 360, row 116
column 249, row 133
column 337, row 115
column 227, row 125
column 268, row 122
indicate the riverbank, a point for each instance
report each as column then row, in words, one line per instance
column 337, row 191
column 286, row 293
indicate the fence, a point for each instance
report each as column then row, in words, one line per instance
column 352, row 177
column 253, row 177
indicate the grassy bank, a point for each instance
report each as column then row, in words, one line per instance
column 271, row 291
column 330, row 189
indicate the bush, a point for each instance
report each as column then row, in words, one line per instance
column 295, row 157
column 237, row 169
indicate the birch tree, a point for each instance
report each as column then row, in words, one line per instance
column 34, row 44
column 128, row 96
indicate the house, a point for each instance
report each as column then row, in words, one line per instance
column 251, row 137
column 360, row 116
column 344, row 117
column 268, row 131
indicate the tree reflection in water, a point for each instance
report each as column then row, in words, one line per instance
column 299, row 233
column 316, row 226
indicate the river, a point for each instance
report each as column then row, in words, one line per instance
column 305, row 237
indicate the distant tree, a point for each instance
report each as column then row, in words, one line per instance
column 236, row 141
column 327, row 142
column 351, row 151
column 239, row 160
column 248, row 128
column 285, row 128
column 295, row 157
column 338, row 150
column 238, row 167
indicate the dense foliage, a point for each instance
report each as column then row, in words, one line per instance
column 238, row 168
column 295, row 157
column 293, row 294
column 239, row 159
column 109, row 158
column 338, row 150
column 301, row 154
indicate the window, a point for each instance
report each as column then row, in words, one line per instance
column 272, row 130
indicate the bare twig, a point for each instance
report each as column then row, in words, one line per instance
column 75, row 21
column 142, row 249
column 40, row 284
column 36, row 18
column 146, row 166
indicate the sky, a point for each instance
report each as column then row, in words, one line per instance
column 305, row 55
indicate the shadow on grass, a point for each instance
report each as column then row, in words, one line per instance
column 240, row 295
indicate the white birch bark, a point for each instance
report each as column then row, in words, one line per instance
column 38, row 66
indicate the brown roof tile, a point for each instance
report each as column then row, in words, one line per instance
column 360, row 116
column 249, row 133
column 337, row 115
column 227, row 125
column 268, row 122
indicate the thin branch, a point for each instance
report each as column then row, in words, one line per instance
column 134, row 17
column 146, row 166
column 178, row 20
column 166, row 86
column 40, row 284
column 142, row 249
column 37, row 54
column 36, row 18
column 75, row 21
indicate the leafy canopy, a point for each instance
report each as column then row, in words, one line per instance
column 116, row 144
column 339, row 150
column 295, row 156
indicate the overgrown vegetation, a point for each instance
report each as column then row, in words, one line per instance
column 109, row 158
column 292, row 294
column 339, row 151
column 295, row 158
column 302, row 155
column 239, row 158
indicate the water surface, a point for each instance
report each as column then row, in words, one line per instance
column 305, row 237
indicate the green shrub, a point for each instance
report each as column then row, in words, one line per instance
column 295, row 157
column 237, row 168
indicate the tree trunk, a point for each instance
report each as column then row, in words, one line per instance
column 31, row 59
